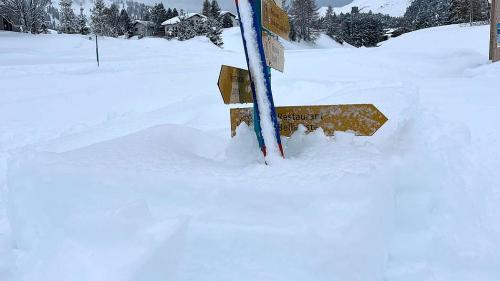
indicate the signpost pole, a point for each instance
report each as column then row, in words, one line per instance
column 495, row 31
column 97, row 50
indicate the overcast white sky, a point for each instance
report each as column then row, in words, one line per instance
column 195, row 5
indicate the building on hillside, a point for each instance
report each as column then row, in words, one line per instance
column 230, row 16
column 7, row 25
column 143, row 28
column 171, row 25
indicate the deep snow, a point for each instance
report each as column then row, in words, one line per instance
column 127, row 171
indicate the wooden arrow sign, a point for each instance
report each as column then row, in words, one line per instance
column 361, row 119
column 275, row 52
column 234, row 85
column 275, row 19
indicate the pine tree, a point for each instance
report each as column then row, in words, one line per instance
column 428, row 13
column 146, row 15
column 158, row 16
column 124, row 23
column 175, row 13
column 185, row 30
column 68, row 22
column 459, row 11
column 214, row 32
column 206, row 9
column 292, row 34
column 82, row 23
column 112, row 18
column 370, row 30
column 329, row 23
column 169, row 14
column 97, row 18
column 304, row 17
column 214, row 10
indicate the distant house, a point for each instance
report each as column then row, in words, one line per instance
column 7, row 25
column 171, row 25
column 231, row 16
column 143, row 28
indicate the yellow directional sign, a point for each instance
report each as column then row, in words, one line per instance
column 275, row 52
column 275, row 19
column 234, row 85
column 361, row 119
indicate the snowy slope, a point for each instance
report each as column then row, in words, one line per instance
column 395, row 8
column 127, row 172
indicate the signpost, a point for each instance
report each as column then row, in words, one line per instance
column 96, row 50
column 274, row 19
column 495, row 31
column 266, row 123
column 261, row 22
column 275, row 52
column 234, row 85
column 361, row 119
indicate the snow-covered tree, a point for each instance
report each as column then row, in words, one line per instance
column 185, row 30
column 175, row 13
column 98, row 18
column 206, row 11
column 30, row 14
column 292, row 34
column 67, row 17
column 214, row 32
column 330, row 25
column 305, row 17
column 82, row 23
column 468, row 10
column 124, row 23
column 214, row 10
column 158, row 16
column 112, row 18
column 427, row 13
column 169, row 13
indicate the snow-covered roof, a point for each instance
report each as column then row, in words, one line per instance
column 177, row 19
column 222, row 13
column 144, row 22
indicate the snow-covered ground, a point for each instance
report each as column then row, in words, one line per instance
column 128, row 172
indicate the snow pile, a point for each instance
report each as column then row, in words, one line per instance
column 127, row 172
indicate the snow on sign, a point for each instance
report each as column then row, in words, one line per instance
column 275, row 52
column 362, row 119
column 234, row 85
column 266, row 123
column 275, row 19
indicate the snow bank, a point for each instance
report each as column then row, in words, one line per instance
column 103, row 203
column 127, row 172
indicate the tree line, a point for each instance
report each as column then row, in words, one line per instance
column 368, row 29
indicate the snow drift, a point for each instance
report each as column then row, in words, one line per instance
column 127, row 172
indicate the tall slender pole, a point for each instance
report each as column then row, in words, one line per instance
column 97, row 50
column 494, row 31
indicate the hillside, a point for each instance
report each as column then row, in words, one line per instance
column 128, row 171
column 395, row 8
